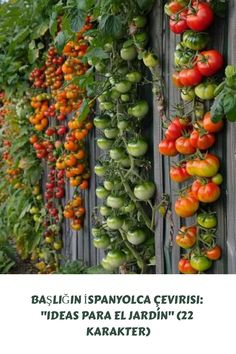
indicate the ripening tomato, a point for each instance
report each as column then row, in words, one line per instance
column 214, row 253
column 176, row 80
column 200, row 262
column 190, row 76
column 208, row 193
column 179, row 174
column 173, row 7
column 209, row 62
column 183, row 146
column 202, row 141
column 185, row 267
column 186, row 206
column 186, row 237
column 167, row 148
column 206, row 166
column 200, row 16
column 178, row 23
column 210, row 126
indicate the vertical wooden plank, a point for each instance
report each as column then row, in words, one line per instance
column 231, row 154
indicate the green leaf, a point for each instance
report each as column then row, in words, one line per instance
column 231, row 116
column 112, row 25
column 53, row 24
column 145, row 5
column 85, row 5
column 60, row 40
column 40, row 30
column 217, row 109
column 229, row 102
column 84, row 110
column 97, row 53
column 77, row 20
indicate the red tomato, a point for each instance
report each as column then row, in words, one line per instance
column 214, row 253
column 176, row 80
column 202, row 141
column 200, row 16
column 184, row 146
column 207, row 166
column 186, row 206
column 209, row 62
column 175, row 129
column 195, row 187
column 167, row 148
column 178, row 23
column 179, row 173
column 185, row 267
column 209, row 125
column 208, row 193
column 190, row 77
column 186, row 236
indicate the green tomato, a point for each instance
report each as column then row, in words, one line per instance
column 34, row 210
column 125, row 162
column 129, row 53
column 206, row 220
column 102, row 122
column 101, row 192
column 182, row 55
column 207, row 237
column 96, row 231
column 108, row 185
column 108, row 47
column 117, row 153
column 100, row 170
column 123, row 86
column 115, row 258
column 187, row 95
column 134, row 76
column 127, row 225
column 129, row 208
column 136, row 237
column 139, row 110
column 217, row 179
column 106, row 106
column 100, row 67
column 106, row 265
column 123, row 125
column 195, row 40
column 205, row 91
column 111, row 133
column 125, row 98
column 105, row 211
column 150, row 60
column 114, row 222
column 137, row 148
column 114, row 94
column 200, row 263
column 104, row 143
column 139, row 21
column 141, row 39
column 102, row 241
column 115, row 202
column 144, row 191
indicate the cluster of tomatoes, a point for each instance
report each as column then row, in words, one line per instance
column 40, row 104
column 68, row 99
column 54, row 190
column 193, row 138
column 37, row 76
column 194, row 65
column 74, row 161
column 75, row 211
